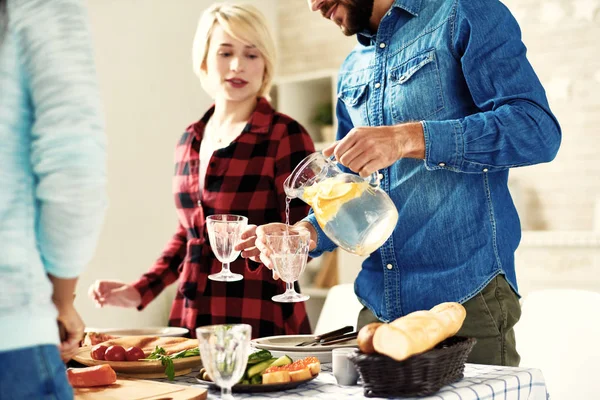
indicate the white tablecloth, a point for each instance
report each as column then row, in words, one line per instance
column 480, row 382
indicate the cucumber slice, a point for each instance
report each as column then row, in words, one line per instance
column 260, row 367
column 283, row 360
column 259, row 356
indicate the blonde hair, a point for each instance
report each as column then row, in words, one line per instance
column 242, row 22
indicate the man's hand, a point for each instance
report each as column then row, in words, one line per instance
column 254, row 244
column 367, row 149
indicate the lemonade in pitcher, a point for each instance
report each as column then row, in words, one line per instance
column 354, row 213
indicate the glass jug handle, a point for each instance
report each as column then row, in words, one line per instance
column 373, row 179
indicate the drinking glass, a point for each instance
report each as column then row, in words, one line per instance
column 224, row 351
column 289, row 254
column 224, row 231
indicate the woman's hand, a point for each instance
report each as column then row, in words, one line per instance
column 254, row 243
column 247, row 245
column 72, row 330
column 114, row 293
column 70, row 326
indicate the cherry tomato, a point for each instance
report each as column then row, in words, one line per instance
column 134, row 353
column 115, row 353
column 98, row 352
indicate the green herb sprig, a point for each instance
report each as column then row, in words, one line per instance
column 167, row 360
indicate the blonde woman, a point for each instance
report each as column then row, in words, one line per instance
column 232, row 161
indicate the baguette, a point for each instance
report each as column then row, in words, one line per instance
column 419, row 331
column 453, row 313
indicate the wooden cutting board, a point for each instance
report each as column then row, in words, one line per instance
column 139, row 369
column 136, row 389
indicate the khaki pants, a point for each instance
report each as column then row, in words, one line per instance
column 491, row 316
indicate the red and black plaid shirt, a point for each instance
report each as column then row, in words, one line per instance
column 244, row 178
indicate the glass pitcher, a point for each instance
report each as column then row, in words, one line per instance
column 354, row 212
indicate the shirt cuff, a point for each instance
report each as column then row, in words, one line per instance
column 444, row 148
column 252, row 266
column 142, row 286
column 323, row 242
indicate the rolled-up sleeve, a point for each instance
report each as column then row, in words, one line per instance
column 68, row 139
column 515, row 126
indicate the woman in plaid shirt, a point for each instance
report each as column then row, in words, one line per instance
column 233, row 161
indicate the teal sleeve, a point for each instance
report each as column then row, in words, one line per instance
column 67, row 136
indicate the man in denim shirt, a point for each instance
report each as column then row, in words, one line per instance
column 440, row 98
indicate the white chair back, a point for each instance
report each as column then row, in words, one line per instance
column 341, row 308
column 559, row 333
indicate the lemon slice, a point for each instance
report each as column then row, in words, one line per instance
column 335, row 191
column 309, row 194
column 328, row 196
column 328, row 202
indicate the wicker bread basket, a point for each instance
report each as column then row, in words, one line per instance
column 420, row 375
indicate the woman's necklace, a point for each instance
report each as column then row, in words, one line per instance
column 217, row 136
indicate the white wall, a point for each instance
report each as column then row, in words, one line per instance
column 150, row 94
column 561, row 37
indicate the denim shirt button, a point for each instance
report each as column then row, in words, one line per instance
column 377, row 85
column 442, row 164
column 382, row 45
column 389, row 266
column 485, row 170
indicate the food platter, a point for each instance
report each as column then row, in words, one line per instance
column 258, row 388
column 154, row 331
column 134, row 368
column 324, row 357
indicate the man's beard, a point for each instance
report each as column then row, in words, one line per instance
column 357, row 17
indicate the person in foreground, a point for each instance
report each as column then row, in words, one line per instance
column 232, row 161
column 52, row 196
column 439, row 97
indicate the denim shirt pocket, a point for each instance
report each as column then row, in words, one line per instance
column 416, row 89
column 356, row 99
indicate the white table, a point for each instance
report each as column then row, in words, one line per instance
column 481, row 382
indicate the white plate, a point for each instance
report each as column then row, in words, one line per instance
column 287, row 343
column 157, row 331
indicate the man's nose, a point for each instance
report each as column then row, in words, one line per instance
column 315, row 4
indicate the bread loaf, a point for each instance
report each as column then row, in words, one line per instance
column 453, row 313
column 365, row 337
column 419, row 331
